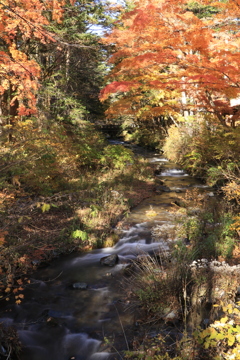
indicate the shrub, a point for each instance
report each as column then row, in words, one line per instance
column 222, row 338
column 154, row 287
column 116, row 156
column 207, row 224
column 45, row 159
column 205, row 150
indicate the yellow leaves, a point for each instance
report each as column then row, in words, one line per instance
column 223, row 335
column 208, row 332
column 5, row 84
column 23, row 218
column 232, row 190
column 26, row 125
column 230, row 339
column 236, row 225
column 14, row 289
column 223, row 320
column 16, row 54
column 18, row 298
column 151, row 213
column 44, row 206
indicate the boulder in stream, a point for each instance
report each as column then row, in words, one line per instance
column 35, row 262
column 80, row 286
column 158, row 171
column 162, row 188
column 110, row 260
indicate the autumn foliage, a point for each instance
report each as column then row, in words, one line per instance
column 23, row 21
column 170, row 62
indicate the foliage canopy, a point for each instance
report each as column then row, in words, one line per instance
column 169, row 61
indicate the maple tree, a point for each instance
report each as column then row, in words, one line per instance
column 21, row 22
column 168, row 61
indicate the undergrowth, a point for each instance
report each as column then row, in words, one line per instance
column 170, row 292
column 208, row 151
column 62, row 188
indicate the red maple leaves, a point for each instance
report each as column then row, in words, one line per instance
column 167, row 58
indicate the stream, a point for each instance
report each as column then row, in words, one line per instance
column 59, row 322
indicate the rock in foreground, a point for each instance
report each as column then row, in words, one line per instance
column 110, row 260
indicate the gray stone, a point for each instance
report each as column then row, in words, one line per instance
column 58, row 314
column 80, row 286
column 109, row 260
column 36, row 262
column 163, row 188
column 171, row 316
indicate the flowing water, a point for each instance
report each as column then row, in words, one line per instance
column 58, row 322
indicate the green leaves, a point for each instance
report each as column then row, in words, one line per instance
column 116, row 156
column 80, row 234
column 45, row 207
column 200, row 10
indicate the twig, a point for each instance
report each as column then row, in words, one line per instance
column 124, row 334
column 41, row 229
column 46, row 281
column 8, row 357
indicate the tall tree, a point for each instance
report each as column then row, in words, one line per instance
column 73, row 66
column 169, row 61
column 21, row 22
column 49, row 57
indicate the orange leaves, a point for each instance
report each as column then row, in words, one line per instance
column 13, row 266
column 20, row 21
column 141, row 20
column 23, row 79
column 24, row 17
column 56, row 7
column 163, row 47
column 22, row 110
column 2, row 237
